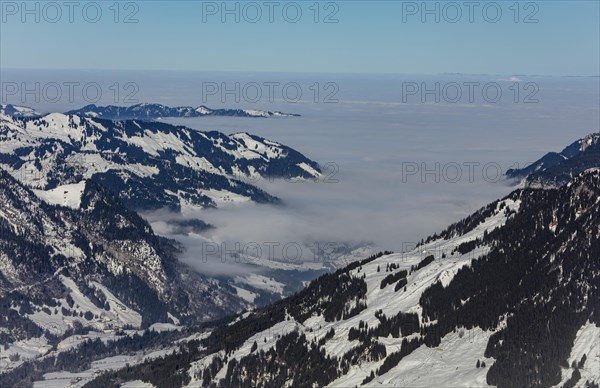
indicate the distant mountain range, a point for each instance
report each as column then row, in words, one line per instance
column 146, row 111
column 555, row 169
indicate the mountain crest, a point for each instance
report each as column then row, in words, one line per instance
column 555, row 169
column 149, row 165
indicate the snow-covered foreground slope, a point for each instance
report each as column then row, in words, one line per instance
column 506, row 297
column 450, row 364
column 148, row 165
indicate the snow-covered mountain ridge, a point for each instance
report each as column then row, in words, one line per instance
column 148, row 165
column 555, row 169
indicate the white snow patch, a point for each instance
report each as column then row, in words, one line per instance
column 137, row 384
column 248, row 296
column 65, row 195
column 261, row 282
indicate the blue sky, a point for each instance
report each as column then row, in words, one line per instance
column 369, row 37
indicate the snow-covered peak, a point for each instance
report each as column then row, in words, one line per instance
column 589, row 140
column 202, row 110
column 557, row 168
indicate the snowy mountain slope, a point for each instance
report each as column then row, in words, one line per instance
column 555, row 169
column 66, row 195
column 506, row 297
column 99, row 266
column 145, row 111
column 148, row 165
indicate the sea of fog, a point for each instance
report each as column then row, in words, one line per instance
column 404, row 155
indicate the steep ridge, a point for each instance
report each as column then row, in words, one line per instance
column 100, row 267
column 555, row 169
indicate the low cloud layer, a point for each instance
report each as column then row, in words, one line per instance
column 396, row 163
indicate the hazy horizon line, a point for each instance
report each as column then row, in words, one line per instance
column 448, row 73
